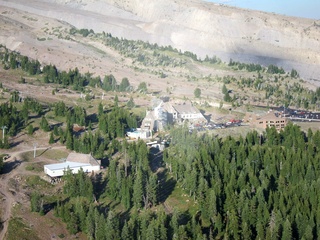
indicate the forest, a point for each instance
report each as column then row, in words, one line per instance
column 263, row 186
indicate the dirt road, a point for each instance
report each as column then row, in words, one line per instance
column 13, row 167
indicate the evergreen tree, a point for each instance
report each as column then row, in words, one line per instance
column 51, row 140
column 130, row 103
column 44, row 125
column 197, row 93
column 30, row 129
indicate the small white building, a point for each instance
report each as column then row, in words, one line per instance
column 139, row 133
column 74, row 162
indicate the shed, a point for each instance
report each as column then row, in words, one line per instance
column 74, row 162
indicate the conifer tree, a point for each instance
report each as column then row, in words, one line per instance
column 51, row 140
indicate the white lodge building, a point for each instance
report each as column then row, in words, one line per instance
column 187, row 111
column 74, row 161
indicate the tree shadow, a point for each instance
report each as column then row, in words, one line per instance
column 93, row 118
column 156, row 161
column 99, row 184
column 14, row 144
column 57, row 124
column 40, row 154
column 9, row 166
column 165, row 187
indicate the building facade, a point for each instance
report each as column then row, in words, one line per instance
column 271, row 119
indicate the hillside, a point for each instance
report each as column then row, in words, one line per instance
column 76, row 75
column 196, row 26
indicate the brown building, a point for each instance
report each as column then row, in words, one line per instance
column 271, row 119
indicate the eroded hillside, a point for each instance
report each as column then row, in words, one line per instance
column 200, row 27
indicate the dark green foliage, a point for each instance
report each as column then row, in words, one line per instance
column 251, row 183
column 197, row 92
column 130, row 103
column 60, row 109
column 294, row 73
column 15, row 96
column 36, row 202
column 30, row 129
column 124, row 85
column 275, row 70
column 115, row 122
column 77, row 185
column 51, row 139
column 246, row 188
column 11, row 118
column 142, row 87
column 32, row 105
column 76, row 115
column 224, row 89
column 227, row 97
column 44, row 125
column 251, row 67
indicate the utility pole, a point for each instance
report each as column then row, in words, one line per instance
column 34, row 149
column 3, row 129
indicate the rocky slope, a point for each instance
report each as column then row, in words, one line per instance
column 197, row 26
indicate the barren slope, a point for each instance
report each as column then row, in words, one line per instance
column 200, row 27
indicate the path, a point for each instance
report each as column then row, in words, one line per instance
column 13, row 167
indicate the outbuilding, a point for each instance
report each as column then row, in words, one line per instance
column 74, row 162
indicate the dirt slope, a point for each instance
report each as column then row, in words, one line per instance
column 200, row 27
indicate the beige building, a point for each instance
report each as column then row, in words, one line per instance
column 186, row 111
column 271, row 119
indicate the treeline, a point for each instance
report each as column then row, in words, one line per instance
column 51, row 74
column 276, row 90
column 149, row 54
column 250, row 67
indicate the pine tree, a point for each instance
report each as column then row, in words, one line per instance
column 287, row 231
column 44, row 124
column 69, row 143
column 30, row 129
column 125, row 233
column 138, row 190
column 51, row 140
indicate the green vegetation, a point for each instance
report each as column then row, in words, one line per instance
column 197, row 93
column 245, row 188
column 36, row 167
column 20, row 230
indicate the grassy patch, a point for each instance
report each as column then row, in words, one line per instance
column 35, row 182
column 55, row 154
column 36, row 167
column 19, row 230
column 180, row 199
